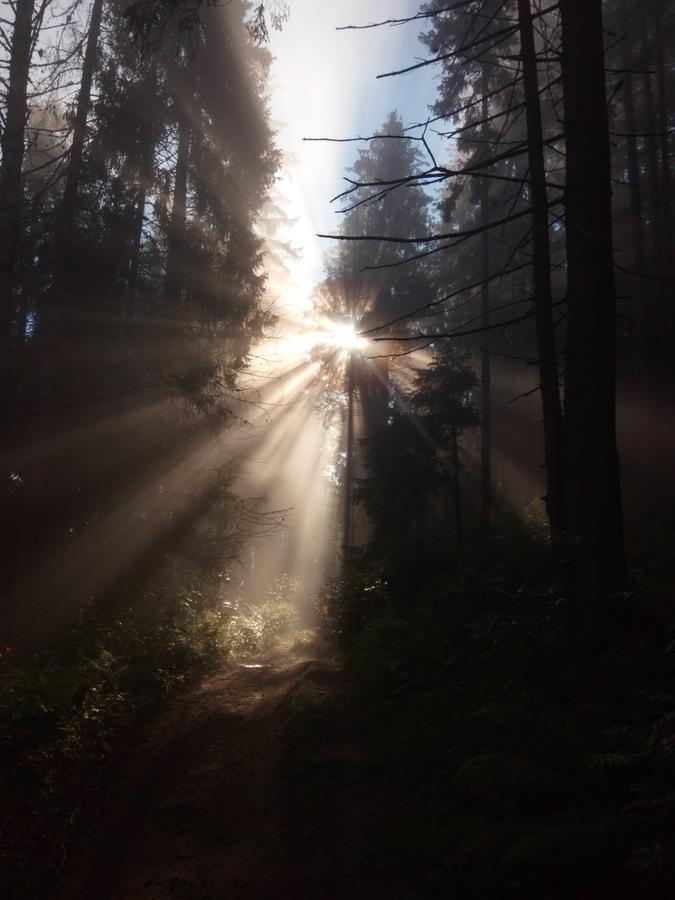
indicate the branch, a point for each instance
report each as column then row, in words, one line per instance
column 435, row 303
column 431, row 238
column 408, row 19
column 456, row 334
column 500, row 36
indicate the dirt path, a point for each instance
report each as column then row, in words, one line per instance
column 238, row 790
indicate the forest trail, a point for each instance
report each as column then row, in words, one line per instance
column 251, row 786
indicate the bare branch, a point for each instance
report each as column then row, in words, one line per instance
column 405, row 21
column 435, row 303
column 432, row 238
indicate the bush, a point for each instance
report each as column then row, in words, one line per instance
column 63, row 711
column 257, row 626
column 531, row 768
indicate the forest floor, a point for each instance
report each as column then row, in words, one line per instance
column 254, row 785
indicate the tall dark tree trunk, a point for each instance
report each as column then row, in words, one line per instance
column 665, row 320
column 13, row 148
column 456, row 488
column 174, row 277
column 135, row 259
column 485, row 374
column 640, row 317
column 667, row 227
column 38, row 529
column 635, row 195
column 546, row 344
column 652, row 148
column 593, row 493
column 349, row 463
column 145, row 175
column 65, row 218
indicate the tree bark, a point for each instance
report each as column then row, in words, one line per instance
column 12, row 146
column 173, row 279
column 635, row 194
column 546, row 343
column 134, row 262
column 485, row 376
column 65, row 218
column 593, row 493
column 652, row 153
column 145, row 178
column 667, row 228
column 56, row 373
column 456, row 489
column 349, row 463
column 13, row 149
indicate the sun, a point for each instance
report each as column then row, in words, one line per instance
column 327, row 336
column 344, row 336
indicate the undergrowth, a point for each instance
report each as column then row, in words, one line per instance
column 531, row 768
column 65, row 712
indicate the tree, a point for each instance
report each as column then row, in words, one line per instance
column 543, row 300
column 593, row 493
column 365, row 284
column 443, row 394
column 12, row 146
column 114, row 394
column 413, row 460
column 64, row 220
column 403, row 473
column 174, row 276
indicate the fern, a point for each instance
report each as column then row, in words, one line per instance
column 666, row 722
column 491, row 843
column 615, row 760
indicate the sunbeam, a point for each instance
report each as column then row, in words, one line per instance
column 337, row 449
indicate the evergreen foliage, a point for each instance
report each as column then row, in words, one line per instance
column 140, row 265
column 528, row 768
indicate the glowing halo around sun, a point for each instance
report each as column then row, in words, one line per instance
column 344, row 336
column 324, row 337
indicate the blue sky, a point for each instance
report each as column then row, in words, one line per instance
column 324, row 84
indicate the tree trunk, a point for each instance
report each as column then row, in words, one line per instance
column 593, row 493
column 639, row 257
column 651, row 146
column 456, row 489
column 145, row 178
column 13, row 148
column 546, row 344
column 640, row 317
column 65, row 218
column 134, row 262
column 485, row 375
column 173, row 279
column 349, row 463
column 37, row 530
column 667, row 228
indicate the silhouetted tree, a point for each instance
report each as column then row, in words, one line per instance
column 12, row 146
column 593, row 492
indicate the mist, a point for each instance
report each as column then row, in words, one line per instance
column 337, row 464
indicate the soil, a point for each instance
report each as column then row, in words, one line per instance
column 255, row 785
